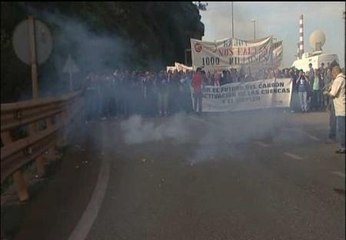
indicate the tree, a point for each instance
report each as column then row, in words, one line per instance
column 155, row 34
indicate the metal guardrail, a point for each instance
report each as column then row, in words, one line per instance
column 43, row 122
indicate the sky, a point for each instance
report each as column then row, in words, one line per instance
column 281, row 20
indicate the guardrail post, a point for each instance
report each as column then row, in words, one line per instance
column 19, row 150
column 40, row 165
column 21, row 186
column 18, row 178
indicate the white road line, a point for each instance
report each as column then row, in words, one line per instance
column 262, row 144
column 206, row 122
column 311, row 136
column 340, row 174
column 293, row 156
column 304, row 132
column 198, row 119
column 80, row 232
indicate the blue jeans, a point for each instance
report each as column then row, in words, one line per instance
column 317, row 99
column 340, row 131
column 303, row 99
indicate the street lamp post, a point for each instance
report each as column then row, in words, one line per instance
column 232, row 22
column 254, row 28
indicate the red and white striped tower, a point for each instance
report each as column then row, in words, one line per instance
column 301, row 37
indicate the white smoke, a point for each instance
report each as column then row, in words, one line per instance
column 136, row 130
column 208, row 138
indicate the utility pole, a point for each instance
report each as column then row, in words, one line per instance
column 232, row 22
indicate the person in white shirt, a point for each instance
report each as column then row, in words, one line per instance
column 337, row 93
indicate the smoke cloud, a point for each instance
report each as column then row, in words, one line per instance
column 92, row 50
column 137, row 131
column 212, row 137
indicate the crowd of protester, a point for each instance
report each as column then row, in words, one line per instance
column 308, row 89
column 124, row 93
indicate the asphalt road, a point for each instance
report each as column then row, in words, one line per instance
column 242, row 176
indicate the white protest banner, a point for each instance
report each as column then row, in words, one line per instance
column 182, row 67
column 230, row 53
column 170, row 68
column 275, row 57
column 277, row 54
column 178, row 67
column 261, row 94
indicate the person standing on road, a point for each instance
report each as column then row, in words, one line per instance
column 337, row 93
column 162, row 85
column 197, row 83
column 303, row 88
column 316, row 91
column 331, row 111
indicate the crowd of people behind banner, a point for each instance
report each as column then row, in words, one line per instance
column 124, row 92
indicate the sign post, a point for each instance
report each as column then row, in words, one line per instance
column 33, row 61
column 32, row 42
column 70, row 67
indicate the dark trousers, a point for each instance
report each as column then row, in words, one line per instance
column 332, row 121
column 197, row 102
column 316, row 99
column 340, row 131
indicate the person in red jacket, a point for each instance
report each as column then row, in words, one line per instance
column 197, row 83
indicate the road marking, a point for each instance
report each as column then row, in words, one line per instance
column 340, row 174
column 304, row 132
column 262, row 144
column 85, row 223
column 198, row 119
column 311, row 136
column 293, row 156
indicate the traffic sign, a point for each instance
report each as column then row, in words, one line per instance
column 43, row 41
column 70, row 66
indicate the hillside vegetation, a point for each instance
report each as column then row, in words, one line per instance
column 100, row 36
